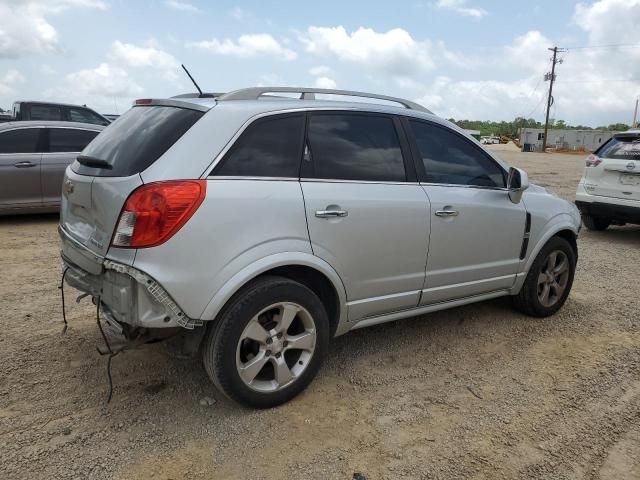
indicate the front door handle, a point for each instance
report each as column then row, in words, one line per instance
column 447, row 213
column 24, row 164
column 331, row 213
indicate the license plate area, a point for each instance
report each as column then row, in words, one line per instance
column 630, row 179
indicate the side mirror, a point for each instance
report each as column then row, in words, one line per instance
column 517, row 183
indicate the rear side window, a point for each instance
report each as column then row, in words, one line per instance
column 86, row 116
column 69, row 140
column 355, row 147
column 270, row 147
column 24, row 140
column 137, row 140
column 45, row 112
column 621, row 148
column 449, row 158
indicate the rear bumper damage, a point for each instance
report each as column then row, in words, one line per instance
column 128, row 296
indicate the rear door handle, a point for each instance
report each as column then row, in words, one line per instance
column 24, row 164
column 331, row 213
column 447, row 213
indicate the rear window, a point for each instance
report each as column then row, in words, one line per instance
column 139, row 137
column 621, row 148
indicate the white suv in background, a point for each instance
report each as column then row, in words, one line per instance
column 609, row 191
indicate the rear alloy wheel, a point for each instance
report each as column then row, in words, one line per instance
column 549, row 280
column 268, row 343
column 596, row 223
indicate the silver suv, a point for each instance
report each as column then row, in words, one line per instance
column 261, row 226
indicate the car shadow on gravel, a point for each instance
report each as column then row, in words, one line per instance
column 14, row 220
column 627, row 235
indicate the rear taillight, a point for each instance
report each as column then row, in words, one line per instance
column 153, row 213
column 593, row 161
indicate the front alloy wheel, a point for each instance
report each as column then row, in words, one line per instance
column 553, row 279
column 549, row 280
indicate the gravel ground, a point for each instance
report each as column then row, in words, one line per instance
column 474, row 392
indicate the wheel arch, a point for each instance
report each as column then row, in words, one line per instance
column 561, row 226
column 307, row 269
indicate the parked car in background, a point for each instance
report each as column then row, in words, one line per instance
column 48, row 111
column 33, row 158
column 609, row 190
column 265, row 226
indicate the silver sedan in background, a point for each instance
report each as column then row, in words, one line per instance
column 33, row 158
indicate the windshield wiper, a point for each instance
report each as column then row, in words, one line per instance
column 94, row 162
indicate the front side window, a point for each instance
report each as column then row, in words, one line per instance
column 86, row 116
column 24, row 140
column 270, row 147
column 449, row 158
column 69, row 140
column 355, row 147
column 45, row 112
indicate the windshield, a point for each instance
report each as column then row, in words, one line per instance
column 135, row 141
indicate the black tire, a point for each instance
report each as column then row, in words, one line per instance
column 527, row 300
column 596, row 223
column 221, row 341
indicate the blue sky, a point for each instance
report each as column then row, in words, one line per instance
column 462, row 58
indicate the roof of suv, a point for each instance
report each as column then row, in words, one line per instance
column 50, row 123
column 266, row 99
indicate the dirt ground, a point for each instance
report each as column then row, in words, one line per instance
column 475, row 392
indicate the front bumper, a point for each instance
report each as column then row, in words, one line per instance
column 128, row 295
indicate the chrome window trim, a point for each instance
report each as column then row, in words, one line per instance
column 337, row 180
column 239, row 177
column 478, row 187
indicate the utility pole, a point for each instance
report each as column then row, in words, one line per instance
column 551, row 77
column 635, row 114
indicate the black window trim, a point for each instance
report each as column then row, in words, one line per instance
column 417, row 159
column 47, row 137
column 235, row 141
column 307, row 174
column 41, row 143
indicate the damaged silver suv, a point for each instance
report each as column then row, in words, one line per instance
column 263, row 222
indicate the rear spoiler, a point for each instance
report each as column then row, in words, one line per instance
column 169, row 102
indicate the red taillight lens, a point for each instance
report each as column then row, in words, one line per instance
column 143, row 101
column 153, row 213
column 593, row 161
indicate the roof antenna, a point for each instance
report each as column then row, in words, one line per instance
column 194, row 82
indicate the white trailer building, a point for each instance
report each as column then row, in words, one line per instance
column 577, row 140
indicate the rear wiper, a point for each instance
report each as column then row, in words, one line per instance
column 94, row 162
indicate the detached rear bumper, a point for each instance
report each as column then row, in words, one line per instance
column 622, row 213
column 128, row 295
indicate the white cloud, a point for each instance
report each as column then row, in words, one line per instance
column 609, row 21
column 325, row 82
column 104, row 80
column 394, row 51
column 238, row 14
column 149, row 57
column 182, row 6
column 529, row 51
column 246, row 46
column 24, row 28
column 460, row 6
column 9, row 80
column 320, row 70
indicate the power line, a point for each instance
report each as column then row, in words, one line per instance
column 612, row 45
